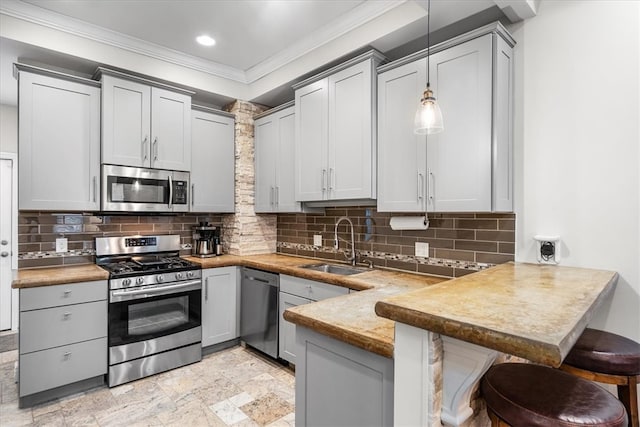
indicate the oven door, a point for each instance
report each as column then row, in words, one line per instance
column 143, row 190
column 151, row 319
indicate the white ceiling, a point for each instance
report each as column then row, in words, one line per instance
column 247, row 32
column 255, row 38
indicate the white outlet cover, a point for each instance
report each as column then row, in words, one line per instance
column 317, row 240
column 61, row 245
column 422, row 249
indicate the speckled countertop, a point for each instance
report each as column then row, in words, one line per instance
column 528, row 310
column 350, row 318
column 35, row 277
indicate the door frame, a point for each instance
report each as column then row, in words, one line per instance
column 13, row 157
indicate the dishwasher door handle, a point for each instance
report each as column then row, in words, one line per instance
column 258, row 279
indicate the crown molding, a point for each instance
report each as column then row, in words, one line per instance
column 355, row 18
column 56, row 21
column 358, row 16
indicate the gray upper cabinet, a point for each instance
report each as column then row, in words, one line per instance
column 274, row 161
column 335, row 142
column 468, row 166
column 59, row 142
column 212, row 162
column 144, row 125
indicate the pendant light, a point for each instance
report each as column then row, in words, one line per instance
column 428, row 119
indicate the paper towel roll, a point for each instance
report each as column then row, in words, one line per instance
column 409, row 222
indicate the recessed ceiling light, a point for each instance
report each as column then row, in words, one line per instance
column 205, row 40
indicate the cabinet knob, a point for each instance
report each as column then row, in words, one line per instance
column 4, row 254
column 66, row 315
column 4, row 242
column 67, row 355
column 66, row 294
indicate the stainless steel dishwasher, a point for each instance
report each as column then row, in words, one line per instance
column 259, row 310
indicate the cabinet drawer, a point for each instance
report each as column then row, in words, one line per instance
column 47, row 369
column 53, row 296
column 310, row 289
column 53, row 327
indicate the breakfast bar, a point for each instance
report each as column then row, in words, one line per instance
column 533, row 311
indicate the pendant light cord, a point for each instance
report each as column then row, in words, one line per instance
column 428, row 41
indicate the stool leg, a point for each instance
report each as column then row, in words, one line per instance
column 628, row 395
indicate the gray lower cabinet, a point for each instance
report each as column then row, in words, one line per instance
column 220, row 305
column 338, row 384
column 295, row 291
column 63, row 339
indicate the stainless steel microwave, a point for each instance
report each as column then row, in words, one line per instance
column 131, row 189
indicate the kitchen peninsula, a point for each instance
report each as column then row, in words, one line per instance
column 425, row 324
column 532, row 311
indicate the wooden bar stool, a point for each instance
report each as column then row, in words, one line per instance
column 522, row 394
column 608, row 358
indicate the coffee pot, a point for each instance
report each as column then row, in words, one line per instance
column 205, row 237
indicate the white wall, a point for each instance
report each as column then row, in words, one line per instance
column 577, row 143
column 8, row 128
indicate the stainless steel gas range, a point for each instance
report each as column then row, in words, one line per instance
column 154, row 305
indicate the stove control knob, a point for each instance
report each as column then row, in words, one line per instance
column 189, row 273
column 140, row 281
column 126, row 282
column 159, row 278
column 178, row 276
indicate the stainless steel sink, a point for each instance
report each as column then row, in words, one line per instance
column 342, row 270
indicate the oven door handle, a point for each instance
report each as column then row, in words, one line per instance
column 151, row 291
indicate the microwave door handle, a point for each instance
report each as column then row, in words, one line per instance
column 170, row 191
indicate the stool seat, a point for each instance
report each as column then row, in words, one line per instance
column 604, row 352
column 531, row 395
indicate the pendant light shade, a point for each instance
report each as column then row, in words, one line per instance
column 428, row 119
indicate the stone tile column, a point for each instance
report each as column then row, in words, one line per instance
column 245, row 232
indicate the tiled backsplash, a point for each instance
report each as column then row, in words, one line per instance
column 459, row 243
column 37, row 233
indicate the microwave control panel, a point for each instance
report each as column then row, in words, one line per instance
column 179, row 192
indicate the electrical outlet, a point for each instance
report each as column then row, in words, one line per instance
column 422, row 249
column 317, row 240
column 61, row 245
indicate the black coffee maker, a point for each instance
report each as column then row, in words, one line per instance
column 206, row 240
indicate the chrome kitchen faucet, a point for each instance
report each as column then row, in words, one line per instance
column 352, row 257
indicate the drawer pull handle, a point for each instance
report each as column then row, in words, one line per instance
column 67, row 355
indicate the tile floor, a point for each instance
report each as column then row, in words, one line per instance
column 234, row 387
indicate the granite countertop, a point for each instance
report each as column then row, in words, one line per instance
column 533, row 311
column 35, row 277
column 528, row 310
column 350, row 318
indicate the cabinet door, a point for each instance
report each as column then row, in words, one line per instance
column 220, row 299
column 59, row 144
column 402, row 155
column 287, row 349
column 170, row 130
column 126, row 122
column 350, row 134
column 212, row 163
column 266, row 157
column 285, row 199
column 459, row 158
column 503, row 127
column 311, row 141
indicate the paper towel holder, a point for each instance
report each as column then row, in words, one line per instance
column 409, row 222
